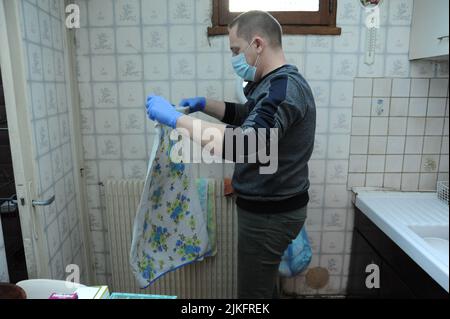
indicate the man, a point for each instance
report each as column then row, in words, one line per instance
column 271, row 207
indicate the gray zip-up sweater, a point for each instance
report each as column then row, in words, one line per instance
column 282, row 99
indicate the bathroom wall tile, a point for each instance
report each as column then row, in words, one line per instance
column 411, row 163
column 399, row 106
column 333, row 263
column 129, row 67
column 109, row 169
column 131, row 95
column 410, row 182
column 392, row 180
column 89, row 147
column 416, row 126
column 183, row 66
column 316, row 193
column 344, row 66
column 314, row 220
column 418, row 107
column 432, row 144
column 31, row 23
column 443, row 163
column 397, row 65
column 401, row 87
column 430, row 163
column 362, row 106
column 373, row 70
column 439, row 88
column 318, row 44
column 133, row 147
column 155, row 12
column 348, row 13
column 35, row 64
column 398, row 40
column 291, row 43
column 380, row 107
column 156, row 67
column 104, row 68
column 132, row 121
column 377, row 145
column 318, row 66
column 127, row 12
column 105, row 95
column 108, row 147
column 348, row 41
column 374, row 179
column 338, row 146
column 427, row 182
column 382, row 87
column 155, row 39
column 394, row 164
column 363, row 87
column 400, row 12
column 414, row 145
column 156, row 87
column 359, row 144
column 181, row 11
column 340, row 121
column 358, row 163
column 317, row 171
column 102, row 41
column 208, row 66
column 375, row 163
column 342, row 94
column 434, row 126
column 182, row 38
column 356, row 180
column 210, row 89
column 135, row 169
column 100, row 13
column 332, row 242
column 395, row 145
column 444, row 148
column 182, row 89
column 360, row 126
column 128, row 40
column 378, row 126
column 422, row 69
column 436, row 107
column 337, row 171
column 420, row 87
column 397, row 126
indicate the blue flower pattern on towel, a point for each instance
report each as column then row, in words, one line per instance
column 170, row 227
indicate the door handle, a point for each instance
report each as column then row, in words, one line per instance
column 47, row 202
column 443, row 37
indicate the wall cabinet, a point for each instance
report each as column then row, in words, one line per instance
column 429, row 30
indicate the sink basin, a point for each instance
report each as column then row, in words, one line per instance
column 436, row 237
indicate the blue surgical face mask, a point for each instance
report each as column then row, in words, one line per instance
column 242, row 68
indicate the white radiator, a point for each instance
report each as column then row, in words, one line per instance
column 214, row 277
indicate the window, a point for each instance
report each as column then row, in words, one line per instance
column 295, row 16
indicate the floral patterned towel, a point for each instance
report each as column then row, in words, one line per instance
column 170, row 228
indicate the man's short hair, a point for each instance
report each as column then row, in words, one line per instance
column 261, row 23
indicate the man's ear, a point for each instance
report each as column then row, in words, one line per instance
column 260, row 43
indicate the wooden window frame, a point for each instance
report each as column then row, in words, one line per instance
column 322, row 22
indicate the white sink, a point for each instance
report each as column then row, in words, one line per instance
column 436, row 236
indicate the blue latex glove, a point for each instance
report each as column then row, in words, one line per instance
column 195, row 104
column 159, row 109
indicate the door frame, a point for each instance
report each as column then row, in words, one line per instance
column 20, row 135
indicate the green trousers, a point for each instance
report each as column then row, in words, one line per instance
column 262, row 240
